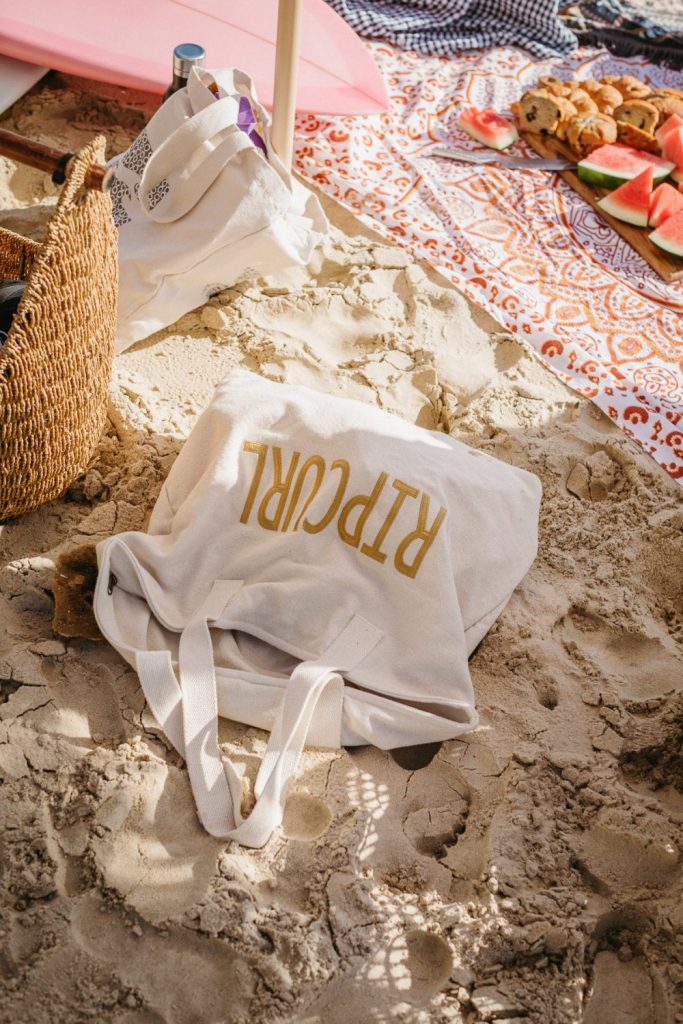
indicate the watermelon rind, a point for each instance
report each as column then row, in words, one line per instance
column 631, row 201
column 625, row 213
column 669, row 235
column 590, row 170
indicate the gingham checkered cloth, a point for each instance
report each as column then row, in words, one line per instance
column 442, row 28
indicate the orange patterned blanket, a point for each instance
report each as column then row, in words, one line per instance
column 523, row 245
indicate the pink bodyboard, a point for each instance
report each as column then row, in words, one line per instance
column 130, row 43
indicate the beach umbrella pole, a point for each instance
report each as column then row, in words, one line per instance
column 284, row 86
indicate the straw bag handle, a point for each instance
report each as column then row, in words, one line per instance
column 188, row 713
column 57, row 164
column 171, row 162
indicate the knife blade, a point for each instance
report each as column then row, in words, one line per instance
column 513, row 162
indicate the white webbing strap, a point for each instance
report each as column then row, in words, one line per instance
column 216, row 791
column 188, row 713
column 208, row 134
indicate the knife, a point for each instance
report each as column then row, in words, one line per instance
column 469, row 156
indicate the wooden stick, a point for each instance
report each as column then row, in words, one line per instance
column 284, row 86
column 44, row 158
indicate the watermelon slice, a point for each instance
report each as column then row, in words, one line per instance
column 613, row 164
column 669, row 235
column 673, row 150
column 488, row 128
column 664, row 203
column 673, row 146
column 631, row 201
column 675, row 121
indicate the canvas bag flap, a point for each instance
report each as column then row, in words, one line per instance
column 322, row 519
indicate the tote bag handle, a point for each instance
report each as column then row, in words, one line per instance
column 188, row 713
column 172, row 161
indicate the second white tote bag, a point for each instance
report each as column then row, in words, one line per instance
column 200, row 205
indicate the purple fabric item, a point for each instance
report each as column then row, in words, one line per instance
column 247, row 122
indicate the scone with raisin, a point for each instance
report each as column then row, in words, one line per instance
column 639, row 113
column 541, row 112
column 586, row 132
column 632, row 136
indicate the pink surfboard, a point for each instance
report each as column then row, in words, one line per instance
column 130, row 43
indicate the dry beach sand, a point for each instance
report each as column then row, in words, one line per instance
column 531, row 871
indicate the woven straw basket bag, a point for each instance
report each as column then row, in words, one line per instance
column 55, row 366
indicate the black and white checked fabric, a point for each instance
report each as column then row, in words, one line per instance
column 443, row 28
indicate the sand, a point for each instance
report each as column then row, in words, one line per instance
column 528, row 871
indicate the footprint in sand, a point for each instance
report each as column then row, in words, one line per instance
column 419, row 965
column 614, row 853
column 624, row 992
column 644, row 667
column 623, row 987
column 596, row 478
column 413, row 968
column 306, row 817
column 652, row 757
column 436, row 800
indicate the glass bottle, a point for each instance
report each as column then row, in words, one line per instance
column 185, row 57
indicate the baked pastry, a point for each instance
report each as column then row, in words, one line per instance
column 630, row 88
column 541, row 112
column 545, row 81
column 639, row 113
column 589, row 85
column 586, row 132
column 667, row 103
column 607, row 98
column 554, row 85
column 582, row 101
column 630, row 135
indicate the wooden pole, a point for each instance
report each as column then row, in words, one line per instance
column 44, row 158
column 284, row 86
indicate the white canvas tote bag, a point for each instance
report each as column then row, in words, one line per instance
column 199, row 206
column 317, row 568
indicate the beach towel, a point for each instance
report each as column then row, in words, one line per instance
column 318, row 568
column 524, row 246
column 201, row 200
column 446, row 27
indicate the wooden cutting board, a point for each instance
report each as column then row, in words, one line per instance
column 669, row 268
